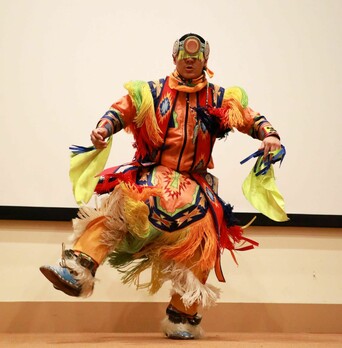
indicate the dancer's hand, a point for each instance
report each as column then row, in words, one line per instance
column 98, row 136
column 269, row 144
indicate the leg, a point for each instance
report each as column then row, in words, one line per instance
column 182, row 321
column 75, row 273
column 97, row 232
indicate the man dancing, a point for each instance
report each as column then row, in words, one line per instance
column 162, row 212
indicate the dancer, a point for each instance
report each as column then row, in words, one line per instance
column 162, row 211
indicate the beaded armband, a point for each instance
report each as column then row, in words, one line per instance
column 112, row 121
column 103, row 123
column 263, row 129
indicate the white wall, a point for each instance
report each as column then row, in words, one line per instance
column 64, row 62
column 290, row 266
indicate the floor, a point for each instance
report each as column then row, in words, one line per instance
column 154, row 340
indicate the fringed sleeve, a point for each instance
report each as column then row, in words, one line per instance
column 239, row 116
column 119, row 116
column 135, row 113
column 144, row 127
column 245, row 119
column 229, row 113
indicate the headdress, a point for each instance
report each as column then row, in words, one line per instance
column 191, row 45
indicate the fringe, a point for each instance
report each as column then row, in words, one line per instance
column 238, row 115
column 134, row 267
column 191, row 290
column 123, row 211
column 111, row 211
column 185, row 283
column 169, row 328
column 238, row 94
column 85, row 216
column 135, row 208
column 143, row 101
column 132, row 273
column 194, row 248
column 200, row 236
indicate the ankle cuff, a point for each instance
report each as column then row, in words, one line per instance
column 178, row 317
column 83, row 260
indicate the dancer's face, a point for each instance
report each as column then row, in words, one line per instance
column 190, row 67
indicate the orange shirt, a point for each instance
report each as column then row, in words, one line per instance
column 184, row 130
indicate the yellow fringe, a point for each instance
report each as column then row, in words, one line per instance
column 193, row 248
column 140, row 91
column 238, row 94
column 136, row 215
column 235, row 98
column 136, row 210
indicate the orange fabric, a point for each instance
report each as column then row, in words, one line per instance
column 182, row 134
column 126, row 108
column 180, row 140
column 179, row 85
column 201, row 239
column 90, row 242
column 177, row 153
column 178, row 190
column 176, row 136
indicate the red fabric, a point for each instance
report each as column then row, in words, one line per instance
column 228, row 236
column 110, row 178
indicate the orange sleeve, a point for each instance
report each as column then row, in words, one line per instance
column 120, row 115
column 249, row 116
column 126, row 109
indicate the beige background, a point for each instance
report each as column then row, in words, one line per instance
column 64, row 62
